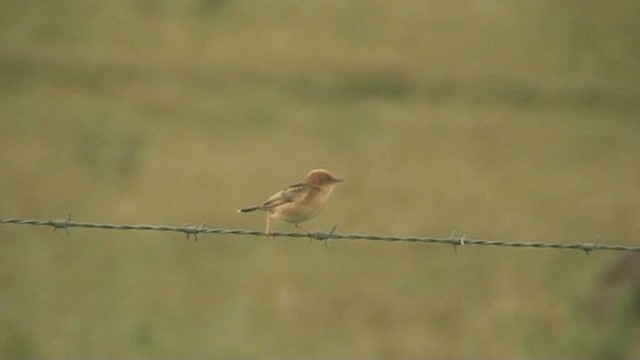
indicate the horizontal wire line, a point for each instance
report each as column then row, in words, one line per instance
column 194, row 230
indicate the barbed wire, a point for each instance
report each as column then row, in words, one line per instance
column 194, row 230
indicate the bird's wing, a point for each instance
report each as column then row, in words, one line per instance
column 290, row 194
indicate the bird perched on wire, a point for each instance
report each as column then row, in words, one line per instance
column 299, row 202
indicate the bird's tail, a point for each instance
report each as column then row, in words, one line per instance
column 249, row 209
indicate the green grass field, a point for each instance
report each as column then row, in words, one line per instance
column 499, row 120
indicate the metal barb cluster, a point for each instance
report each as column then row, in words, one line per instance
column 193, row 230
column 189, row 230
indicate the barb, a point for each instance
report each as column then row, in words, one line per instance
column 189, row 230
column 62, row 224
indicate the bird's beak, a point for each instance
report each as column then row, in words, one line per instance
column 338, row 180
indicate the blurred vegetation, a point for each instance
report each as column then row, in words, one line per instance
column 498, row 119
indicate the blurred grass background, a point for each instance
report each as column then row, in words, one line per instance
column 509, row 120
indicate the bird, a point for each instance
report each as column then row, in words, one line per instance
column 299, row 202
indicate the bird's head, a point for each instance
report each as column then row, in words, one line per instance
column 321, row 178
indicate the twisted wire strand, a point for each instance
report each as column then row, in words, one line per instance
column 194, row 230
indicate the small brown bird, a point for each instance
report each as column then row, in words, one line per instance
column 299, row 202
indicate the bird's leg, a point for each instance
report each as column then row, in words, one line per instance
column 309, row 234
column 269, row 231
